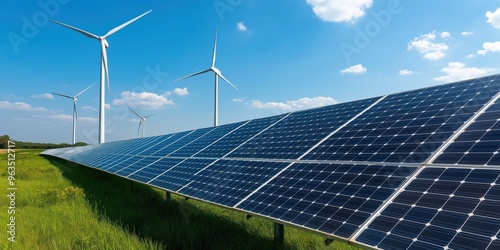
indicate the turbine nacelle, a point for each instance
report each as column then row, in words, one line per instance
column 103, row 40
column 216, row 70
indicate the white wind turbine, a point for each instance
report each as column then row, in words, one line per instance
column 104, row 66
column 217, row 75
column 75, row 115
column 142, row 121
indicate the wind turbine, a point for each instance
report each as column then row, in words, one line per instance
column 75, row 115
column 104, row 66
column 142, row 121
column 217, row 75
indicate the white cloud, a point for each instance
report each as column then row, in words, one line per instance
column 340, row 10
column 405, row 72
column 143, row 100
column 428, row 47
column 181, row 91
column 445, row 34
column 467, row 33
column 19, row 106
column 88, row 119
column 62, row 117
column 89, row 108
column 240, row 99
column 241, row 27
column 107, row 106
column 356, row 69
column 456, row 71
column 489, row 47
column 67, row 118
column 494, row 18
column 469, row 56
column 44, row 95
column 302, row 103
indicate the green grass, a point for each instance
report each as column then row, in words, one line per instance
column 60, row 205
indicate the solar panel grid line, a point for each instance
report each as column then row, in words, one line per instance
column 341, row 126
column 263, row 184
column 451, row 103
column 462, row 129
column 386, row 203
column 197, row 173
column 144, row 148
column 314, row 146
column 215, row 141
column 464, row 217
column 183, row 135
column 257, row 134
column 172, row 168
column 188, row 138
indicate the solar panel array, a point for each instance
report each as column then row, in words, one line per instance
column 412, row 170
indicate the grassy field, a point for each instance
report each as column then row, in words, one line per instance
column 64, row 206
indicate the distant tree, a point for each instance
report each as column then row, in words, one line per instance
column 4, row 141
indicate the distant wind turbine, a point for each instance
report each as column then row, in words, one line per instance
column 104, row 67
column 217, row 75
column 142, row 121
column 75, row 115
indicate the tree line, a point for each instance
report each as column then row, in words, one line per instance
column 4, row 143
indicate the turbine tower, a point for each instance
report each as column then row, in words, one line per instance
column 104, row 79
column 75, row 115
column 217, row 75
column 142, row 121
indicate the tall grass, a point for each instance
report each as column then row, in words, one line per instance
column 63, row 206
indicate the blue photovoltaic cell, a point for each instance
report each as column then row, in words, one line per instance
column 205, row 140
column 150, row 172
column 408, row 127
column 180, row 175
column 236, row 138
column 294, row 135
column 479, row 144
column 154, row 149
column 139, row 162
column 456, row 208
column 170, row 147
column 332, row 198
column 228, row 181
column 146, row 144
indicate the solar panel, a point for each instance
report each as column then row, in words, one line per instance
column 407, row 127
column 227, row 144
column 149, row 172
column 228, row 181
column 181, row 174
column 298, row 132
column 479, row 144
column 442, row 208
column 412, row 170
column 331, row 198
column 205, row 140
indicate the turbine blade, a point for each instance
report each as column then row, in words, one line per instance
column 194, row 74
column 223, row 78
column 135, row 113
column 148, row 116
column 74, row 109
column 67, row 96
column 111, row 32
column 139, row 129
column 215, row 47
column 81, row 92
column 104, row 59
column 85, row 33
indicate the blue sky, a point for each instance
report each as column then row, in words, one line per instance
column 282, row 55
